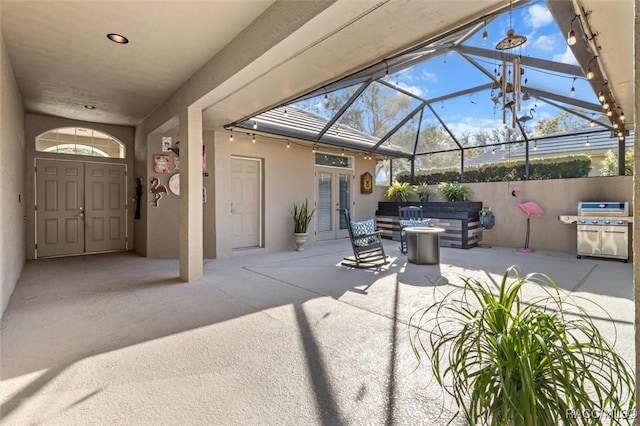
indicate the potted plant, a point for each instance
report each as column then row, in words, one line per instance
column 454, row 191
column 399, row 191
column 301, row 219
column 422, row 191
column 507, row 361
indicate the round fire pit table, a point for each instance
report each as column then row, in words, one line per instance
column 423, row 245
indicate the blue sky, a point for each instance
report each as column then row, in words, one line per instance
column 476, row 112
column 450, row 72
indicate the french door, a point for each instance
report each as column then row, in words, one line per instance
column 333, row 193
column 80, row 207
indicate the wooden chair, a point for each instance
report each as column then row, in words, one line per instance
column 410, row 216
column 368, row 251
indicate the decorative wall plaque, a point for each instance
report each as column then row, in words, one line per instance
column 366, row 183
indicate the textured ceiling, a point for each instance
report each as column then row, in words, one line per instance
column 63, row 60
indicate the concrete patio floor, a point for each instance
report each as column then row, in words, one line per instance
column 264, row 338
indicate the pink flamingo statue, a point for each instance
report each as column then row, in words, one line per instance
column 528, row 208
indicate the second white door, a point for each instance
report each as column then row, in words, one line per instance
column 246, row 202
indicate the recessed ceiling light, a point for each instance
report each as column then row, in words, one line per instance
column 117, row 38
column 89, row 107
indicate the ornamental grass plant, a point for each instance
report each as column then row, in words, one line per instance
column 507, row 361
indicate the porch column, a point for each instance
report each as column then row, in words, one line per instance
column 191, row 246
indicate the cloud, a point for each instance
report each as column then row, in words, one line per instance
column 430, row 77
column 416, row 90
column 538, row 16
column 548, row 43
column 474, row 125
column 566, row 57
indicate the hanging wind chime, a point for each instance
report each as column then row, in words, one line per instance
column 510, row 82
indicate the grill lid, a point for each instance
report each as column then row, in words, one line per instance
column 603, row 208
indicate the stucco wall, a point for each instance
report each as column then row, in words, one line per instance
column 35, row 125
column 12, row 189
column 163, row 236
column 557, row 197
column 288, row 179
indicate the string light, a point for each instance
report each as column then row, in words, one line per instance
column 622, row 115
column 288, row 144
column 535, row 146
column 601, row 94
column 615, row 125
column 313, row 148
column 590, row 73
column 485, row 35
column 342, row 151
column 255, row 124
column 592, row 123
column 572, row 92
column 571, row 35
column 253, row 139
column 386, row 72
column 285, row 112
column 231, row 136
column 609, row 113
column 587, row 143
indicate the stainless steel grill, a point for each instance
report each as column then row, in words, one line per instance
column 603, row 229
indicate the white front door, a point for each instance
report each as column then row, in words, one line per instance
column 80, row 207
column 246, row 202
column 333, row 193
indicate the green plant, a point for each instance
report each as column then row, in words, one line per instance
column 301, row 217
column 510, row 362
column 572, row 166
column 399, row 191
column 421, row 190
column 454, row 191
column 609, row 164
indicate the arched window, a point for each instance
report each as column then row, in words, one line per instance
column 80, row 141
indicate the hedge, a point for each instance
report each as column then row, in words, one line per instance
column 573, row 166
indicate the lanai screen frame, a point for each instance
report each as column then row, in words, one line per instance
column 286, row 121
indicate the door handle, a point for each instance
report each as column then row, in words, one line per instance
column 81, row 214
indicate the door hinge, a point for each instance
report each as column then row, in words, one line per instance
column 36, row 246
column 35, row 207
